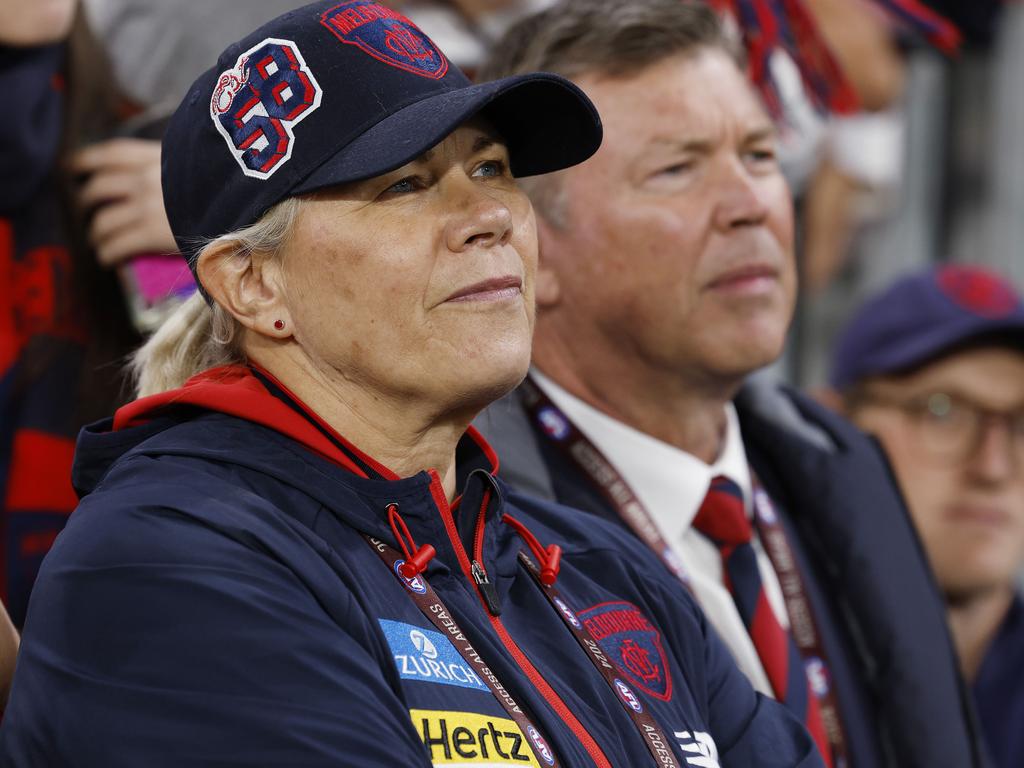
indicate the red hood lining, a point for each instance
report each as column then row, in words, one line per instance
column 234, row 390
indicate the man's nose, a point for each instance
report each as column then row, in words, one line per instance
column 740, row 196
column 994, row 458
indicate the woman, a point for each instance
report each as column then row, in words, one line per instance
column 302, row 556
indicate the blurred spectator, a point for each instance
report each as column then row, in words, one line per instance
column 934, row 367
column 63, row 325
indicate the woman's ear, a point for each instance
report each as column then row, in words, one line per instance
column 249, row 285
column 548, row 288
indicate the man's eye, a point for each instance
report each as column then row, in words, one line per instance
column 490, row 168
column 675, row 169
column 762, row 155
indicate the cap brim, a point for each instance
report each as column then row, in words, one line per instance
column 546, row 121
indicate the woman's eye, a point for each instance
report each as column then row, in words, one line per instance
column 407, row 184
column 490, row 168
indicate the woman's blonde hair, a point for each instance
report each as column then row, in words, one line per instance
column 198, row 335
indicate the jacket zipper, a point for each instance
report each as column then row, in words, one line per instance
column 535, row 677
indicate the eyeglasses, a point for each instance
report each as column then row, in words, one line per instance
column 950, row 428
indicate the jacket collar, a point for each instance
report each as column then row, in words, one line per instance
column 360, row 495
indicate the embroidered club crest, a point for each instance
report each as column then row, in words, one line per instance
column 387, row 36
column 257, row 103
column 633, row 643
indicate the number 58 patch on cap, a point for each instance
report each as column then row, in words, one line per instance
column 257, row 104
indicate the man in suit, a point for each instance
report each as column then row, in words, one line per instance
column 666, row 278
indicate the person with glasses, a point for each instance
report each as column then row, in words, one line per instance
column 934, row 368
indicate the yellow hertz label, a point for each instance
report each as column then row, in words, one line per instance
column 466, row 738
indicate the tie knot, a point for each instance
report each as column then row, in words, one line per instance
column 722, row 516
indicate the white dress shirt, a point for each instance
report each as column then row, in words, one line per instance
column 671, row 484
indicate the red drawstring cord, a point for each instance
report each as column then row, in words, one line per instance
column 416, row 558
column 550, row 559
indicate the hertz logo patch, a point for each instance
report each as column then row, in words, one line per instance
column 468, row 738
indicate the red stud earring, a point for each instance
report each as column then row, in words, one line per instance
column 279, row 325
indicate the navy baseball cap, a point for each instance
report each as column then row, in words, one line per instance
column 332, row 93
column 921, row 317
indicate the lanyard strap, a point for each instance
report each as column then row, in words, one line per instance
column 802, row 624
column 574, row 445
column 564, row 435
column 430, row 604
column 653, row 735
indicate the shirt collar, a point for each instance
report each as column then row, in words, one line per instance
column 669, row 482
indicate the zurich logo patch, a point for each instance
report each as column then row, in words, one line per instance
column 633, row 643
column 387, row 36
column 416, row 584
column 257, row 103
column 542, row 746
column 427, row 656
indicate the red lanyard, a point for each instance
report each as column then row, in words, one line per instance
column 802, row 624
column 564, row 435
column 430, row 604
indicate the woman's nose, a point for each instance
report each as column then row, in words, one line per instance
column 477, row 216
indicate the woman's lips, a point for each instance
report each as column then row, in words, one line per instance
column 493, row 289
column 751, row 279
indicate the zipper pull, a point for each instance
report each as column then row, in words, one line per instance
column 487, row 590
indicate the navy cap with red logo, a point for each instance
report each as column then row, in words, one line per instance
column 924, row 316
column 332, row 93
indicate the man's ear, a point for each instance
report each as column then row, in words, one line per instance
column 548, row 287
column 249, row 285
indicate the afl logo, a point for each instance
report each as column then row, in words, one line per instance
column 540, row 745
column 627, row 695
column 567, row 612
column 817, row 676
column 764, row 507
column 553, row 423
column 415, row 584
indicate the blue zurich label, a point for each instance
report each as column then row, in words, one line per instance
column 427, row 656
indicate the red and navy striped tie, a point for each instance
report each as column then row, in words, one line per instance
column 723, row 519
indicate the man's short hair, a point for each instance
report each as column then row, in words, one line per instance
column 610, row 38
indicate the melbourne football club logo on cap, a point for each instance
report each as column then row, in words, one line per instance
column 387, row 36
column 257, row 104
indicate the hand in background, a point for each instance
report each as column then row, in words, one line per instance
column 122, row 191
column 8, row 654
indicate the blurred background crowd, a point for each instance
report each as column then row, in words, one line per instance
column 899, row 125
